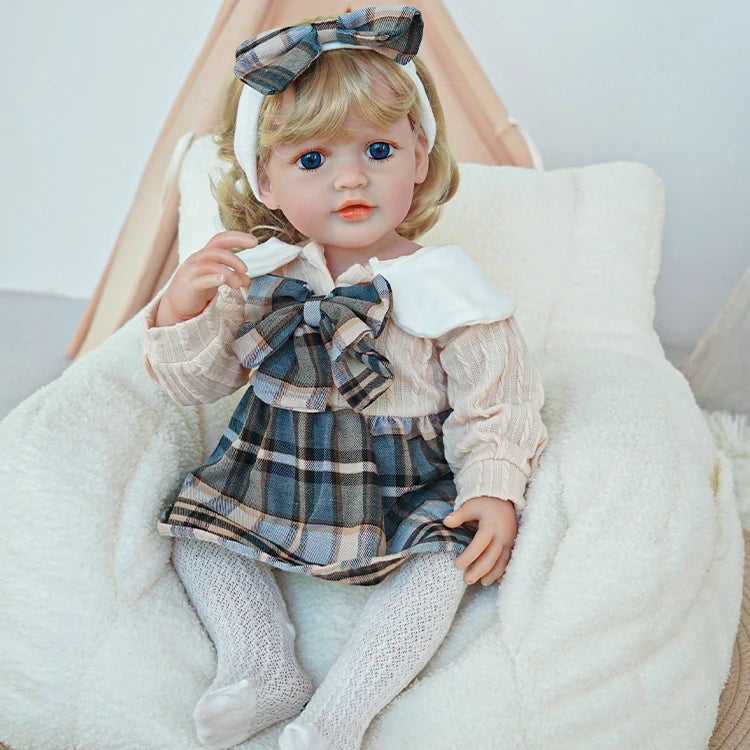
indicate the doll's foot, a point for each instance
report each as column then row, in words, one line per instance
column 232, row 714
column 223, row 717
column 297, row 736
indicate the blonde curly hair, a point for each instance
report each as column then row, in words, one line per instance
column 339, row 83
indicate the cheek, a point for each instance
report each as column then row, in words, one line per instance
column 400, row 196
column 301, row 214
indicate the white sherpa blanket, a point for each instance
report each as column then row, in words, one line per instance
column 614, row 624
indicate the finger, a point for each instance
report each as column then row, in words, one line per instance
column 457, row 517
column 213, row 268
column 217, row 255
column 230, row 277
column 232, row 238
column 452, row 520
column 476, row 547
column 237, row 280
column 484, row 563
column 208, row 282
column 498, row 571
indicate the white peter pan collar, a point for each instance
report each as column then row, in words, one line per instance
column 439, row 288
column 435, row 289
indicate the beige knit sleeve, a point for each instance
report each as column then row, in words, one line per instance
column 494, row 436
column 193, row 361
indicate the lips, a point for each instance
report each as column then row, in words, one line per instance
column 354, row 210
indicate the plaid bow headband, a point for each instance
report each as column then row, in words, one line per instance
column 269, row 62
column 303, row 344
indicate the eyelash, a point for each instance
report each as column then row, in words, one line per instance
column 392, row 146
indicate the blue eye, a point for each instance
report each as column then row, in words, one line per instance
column 379, row 150
column 310, row 160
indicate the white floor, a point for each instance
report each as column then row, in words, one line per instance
column 36, row 329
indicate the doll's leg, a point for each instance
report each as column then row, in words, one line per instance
column 400, row 627
column 258, row 681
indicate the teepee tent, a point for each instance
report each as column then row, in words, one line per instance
column 145, row 253
column 718, row 369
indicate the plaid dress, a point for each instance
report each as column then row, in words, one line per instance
column 336, row 494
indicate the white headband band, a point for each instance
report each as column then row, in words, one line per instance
column 248, row 112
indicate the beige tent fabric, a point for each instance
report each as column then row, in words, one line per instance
column 718, row 369
column 145, row 254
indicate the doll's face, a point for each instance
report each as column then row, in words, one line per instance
column 348, row 192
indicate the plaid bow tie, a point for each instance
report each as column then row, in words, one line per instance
column 303, row 345
column 270, row 61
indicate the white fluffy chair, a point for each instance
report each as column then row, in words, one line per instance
column 614, row 625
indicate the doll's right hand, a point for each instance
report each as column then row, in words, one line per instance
column 197, row 280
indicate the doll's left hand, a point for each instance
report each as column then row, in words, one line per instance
column 489, row 551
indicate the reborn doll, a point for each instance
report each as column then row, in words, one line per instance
column 388, row 383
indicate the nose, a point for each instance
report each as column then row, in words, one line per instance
column 350, row 175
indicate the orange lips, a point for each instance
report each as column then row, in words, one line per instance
column 354, row 210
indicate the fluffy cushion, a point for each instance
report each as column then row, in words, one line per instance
column 614, row 624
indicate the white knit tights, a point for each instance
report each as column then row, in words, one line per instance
column 258, row 680
column 399, row 629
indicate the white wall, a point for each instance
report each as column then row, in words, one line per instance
column 86, row 88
